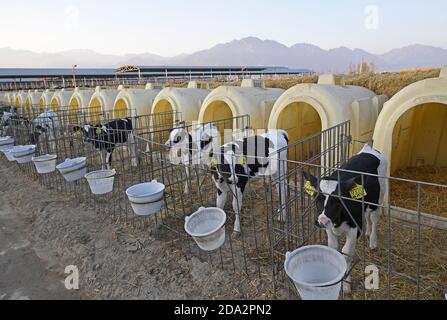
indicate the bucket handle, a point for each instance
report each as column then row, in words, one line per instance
column 189, row 217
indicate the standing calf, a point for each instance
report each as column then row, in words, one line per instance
column 235, row 163
column 108, row 136
column 185, row 147
column 45, row 125
column 339, row 216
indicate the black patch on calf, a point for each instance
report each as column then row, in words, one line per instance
column 368, row 164
column 111, row 134
column 254, row 148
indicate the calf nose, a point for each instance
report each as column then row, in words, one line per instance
column 323, row 220
column 318, row 225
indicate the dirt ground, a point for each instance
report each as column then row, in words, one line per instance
column 42, row 232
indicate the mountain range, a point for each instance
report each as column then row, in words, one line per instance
column 249, row 51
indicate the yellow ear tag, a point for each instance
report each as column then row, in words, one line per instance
column 98, row 131
column 77, row 134
column 310, row 189
column 213, row 163
column 358, row 192
column 243, row 160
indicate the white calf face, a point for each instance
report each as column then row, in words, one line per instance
column 327, row 188
column 178, row 144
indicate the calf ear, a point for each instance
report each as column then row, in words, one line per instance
column 310, row 184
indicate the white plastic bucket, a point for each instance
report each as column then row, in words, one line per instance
column 207, row 227
column 101, row 182
column 146, row 198
column 7, row 152
column 317, row 272
column 73, row 169
column 45, row 164
column 6, row 141
column 23, row 154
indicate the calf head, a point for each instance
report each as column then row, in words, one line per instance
column 209, row 144
column 179, row 143
column 88, row 132
column 333, row 199
column 36, row 133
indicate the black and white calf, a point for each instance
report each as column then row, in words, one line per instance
column 338, row 214
column 185, row 147
column 109, row 136
column 46, row 125
column 237, row 162
column 12, row 117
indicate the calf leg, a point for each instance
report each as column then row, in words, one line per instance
column 282, row 189
column 109, row 160
column 332, row 239
column 368, row 222
column 103, row 155
column 188, row 179
column 373, row 239
column 237, row 207
column 222, row 192
column 349, row 252
column 132, row 147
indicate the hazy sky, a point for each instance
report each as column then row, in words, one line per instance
column 171, row 27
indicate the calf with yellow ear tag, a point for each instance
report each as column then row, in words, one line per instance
column 347, row 198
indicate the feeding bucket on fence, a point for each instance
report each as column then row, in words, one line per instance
column 207, row 227
column 146, row 198
column 317, row 272
column 73, row 169
column 101, row 182
column 7, row 152
column 23, row 154
column 45, row 164
column 6, row 142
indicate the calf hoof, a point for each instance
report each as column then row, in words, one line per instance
column 236, row 235
column 346, row 288
column 373, row 243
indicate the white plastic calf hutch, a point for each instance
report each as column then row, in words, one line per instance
column 80, row 99
column 137, row 101
column 61, row 98
column 32, row 100
column 251, row 98
column 102, row 100
column 45, row 99
column 186, row 101
column 7, row 98
column 20, row 98
column 412, row 129
column 307, row 108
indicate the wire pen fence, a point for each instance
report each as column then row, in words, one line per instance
column 411, row 257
